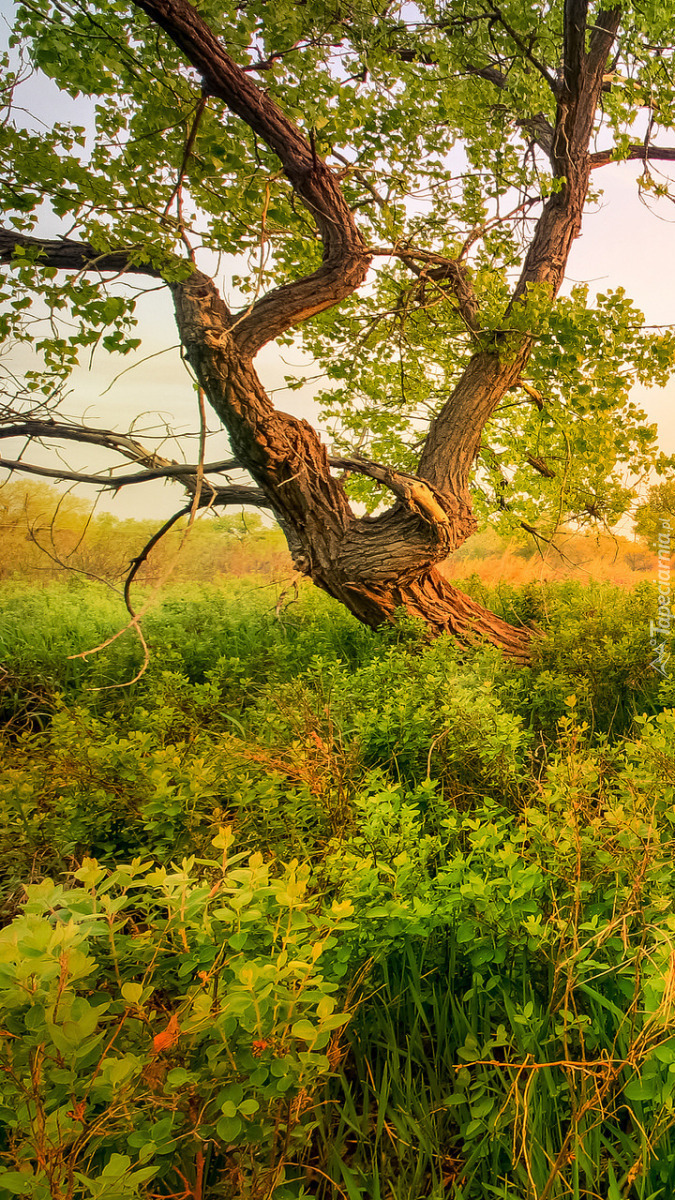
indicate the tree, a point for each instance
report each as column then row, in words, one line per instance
column 655, row 518
column 37, row 524
column 451, row 147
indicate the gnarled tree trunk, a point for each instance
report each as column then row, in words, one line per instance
column 375, row 565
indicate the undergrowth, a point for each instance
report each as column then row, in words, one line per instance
column 316, row 911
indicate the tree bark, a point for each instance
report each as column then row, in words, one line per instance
column 374, row 566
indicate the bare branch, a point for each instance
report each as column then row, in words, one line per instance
column 190, row 475
column 114, row 482
column 137, row 562
column 123, row 443
column 32, row 531
column 233, row 494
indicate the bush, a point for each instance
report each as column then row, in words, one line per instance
column 164, row 1026
column 472, row 861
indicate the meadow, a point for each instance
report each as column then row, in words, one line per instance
column 315, row 911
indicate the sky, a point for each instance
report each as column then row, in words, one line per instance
column 623, row 244
column 626, row 244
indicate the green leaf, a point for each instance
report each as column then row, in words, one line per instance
column 305, row 1030
column 16, row 1182
column 228, row 1129
column 132, row 992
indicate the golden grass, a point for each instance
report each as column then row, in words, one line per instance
column 604, row 558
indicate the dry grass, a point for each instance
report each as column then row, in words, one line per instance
column 603, row 558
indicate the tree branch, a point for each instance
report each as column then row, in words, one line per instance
column 539, row 465
column 525, row 49
column 603, row 33
column 414, row 492
column 157, row 466
column 638, row 152
column 492, row 74
column 574, row 44
column 137, row 562
column 454, row 436
column 531, row 392
column 186, row 474
column 445, row 270
column 108, row 438
column 233, row 494
column 345, row 257
column 66, row 254
column 538, row 126
column 541, row 131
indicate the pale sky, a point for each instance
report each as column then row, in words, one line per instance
column 625, row 244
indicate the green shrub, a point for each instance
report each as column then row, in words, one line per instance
column 164, row 1029
column 498, row 843
column 84, row 788
column 519, row 1033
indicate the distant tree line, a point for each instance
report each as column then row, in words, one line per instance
column 45, row 533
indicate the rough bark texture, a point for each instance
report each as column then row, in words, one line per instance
column 373, row 565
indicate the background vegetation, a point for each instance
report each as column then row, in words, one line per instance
column 47, row 534
column 303, row 910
